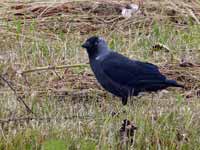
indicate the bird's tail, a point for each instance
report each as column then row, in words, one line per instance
column 174, row 83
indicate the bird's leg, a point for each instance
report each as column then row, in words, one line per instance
column 122, row 109
column 124, row 100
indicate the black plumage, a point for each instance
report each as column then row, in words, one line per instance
column 122, row 76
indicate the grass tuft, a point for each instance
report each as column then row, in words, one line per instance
column 73, row 111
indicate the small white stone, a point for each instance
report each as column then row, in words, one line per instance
column 132, row 8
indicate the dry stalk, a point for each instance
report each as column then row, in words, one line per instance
column 19, row 98
column 53, row 68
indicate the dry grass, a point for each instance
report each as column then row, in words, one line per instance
column 70, row 108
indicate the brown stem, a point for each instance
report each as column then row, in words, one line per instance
column 54, row 67
column 19, row 98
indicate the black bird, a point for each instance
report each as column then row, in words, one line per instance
column 122, row 76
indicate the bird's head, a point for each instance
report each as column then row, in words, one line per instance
column 95, row 45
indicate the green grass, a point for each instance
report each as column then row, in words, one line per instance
column 83, row 121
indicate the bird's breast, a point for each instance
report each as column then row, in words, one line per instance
column 105, row 81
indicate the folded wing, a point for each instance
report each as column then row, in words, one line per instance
column 128, row 72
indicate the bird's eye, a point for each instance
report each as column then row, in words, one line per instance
column 96, row 42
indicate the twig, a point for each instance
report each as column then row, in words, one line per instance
column 54, row 68
column 19, row 98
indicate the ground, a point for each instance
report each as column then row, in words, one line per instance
column 43, row 65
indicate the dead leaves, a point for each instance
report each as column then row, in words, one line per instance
column 68, row 8
column 90, row 16
column 127, row 132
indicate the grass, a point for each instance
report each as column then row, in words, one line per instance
column 69, row 118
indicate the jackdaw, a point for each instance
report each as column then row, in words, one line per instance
column 122, row 76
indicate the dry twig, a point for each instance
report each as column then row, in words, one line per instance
column 19, row 98
column 54, row 68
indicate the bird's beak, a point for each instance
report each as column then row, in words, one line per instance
column 85, row 45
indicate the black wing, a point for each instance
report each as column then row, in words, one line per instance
column 128, row 72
